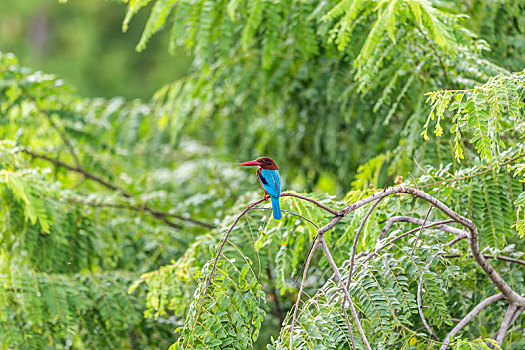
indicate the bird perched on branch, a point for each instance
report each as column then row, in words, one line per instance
column 269, row 178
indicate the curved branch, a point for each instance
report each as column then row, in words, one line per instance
column 470, row 316
column 494, row 276
column 154, row 212
column 506, row 292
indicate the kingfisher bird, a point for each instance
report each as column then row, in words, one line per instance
column 270, row 181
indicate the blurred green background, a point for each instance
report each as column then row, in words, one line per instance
column 83, row 43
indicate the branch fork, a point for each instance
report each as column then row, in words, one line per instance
column 516, row 301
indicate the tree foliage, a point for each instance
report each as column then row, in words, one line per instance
column 123, row 221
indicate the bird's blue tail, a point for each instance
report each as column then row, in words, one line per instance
column 276, row 208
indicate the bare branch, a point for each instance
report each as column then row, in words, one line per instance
column 472, row 235
column 494, row 276
column 420, row 305
column 356, row 240
column 470, row 316
column 369, row 256
column 345, row 290
column 348, row 325
column 456, row 240
column 420, row 230
column 512, row 313
column 305, row 272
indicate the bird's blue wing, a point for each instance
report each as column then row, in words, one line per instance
column 271, row 181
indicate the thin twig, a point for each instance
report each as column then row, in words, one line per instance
column 79, row 170
column 421, row 230
column 420, row 306
column 49, row 118
column 423, row 224
column 348, row 325
column 154, row 212
column 356, row 240
column 291, row 212
column 63, row 136
column 305, row 272
column 494, row 276
column 345, row 290
column 413, row 180
column 456, row 240
column 302, row 267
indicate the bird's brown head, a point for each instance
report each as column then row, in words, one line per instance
column 262, row 162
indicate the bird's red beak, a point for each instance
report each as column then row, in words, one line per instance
column 250, row 163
